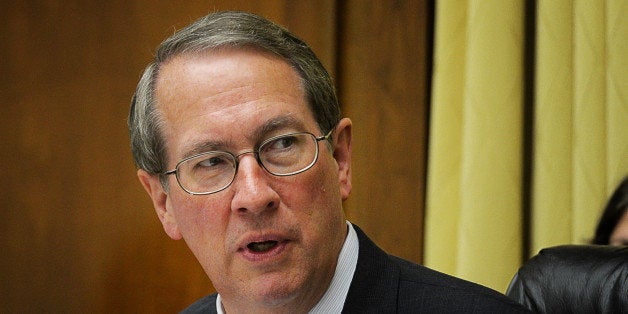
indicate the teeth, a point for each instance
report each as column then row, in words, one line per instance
column 261, row 246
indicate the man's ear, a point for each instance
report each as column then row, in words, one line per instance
column 155, row 190
column 342, row 154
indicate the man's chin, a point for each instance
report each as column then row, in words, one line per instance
column 277, row 291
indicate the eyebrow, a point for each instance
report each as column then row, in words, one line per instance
column 275, row 124
column 202, row 147
column 270, row 126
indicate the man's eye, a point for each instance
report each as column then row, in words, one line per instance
column 283, row 142
column 281, row 145
column 211, row 162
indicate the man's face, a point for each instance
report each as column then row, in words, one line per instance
column 232, row 100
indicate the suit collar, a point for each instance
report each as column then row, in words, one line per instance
column 376, row 278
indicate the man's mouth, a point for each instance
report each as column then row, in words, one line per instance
column 260, row 247
column 265, row 246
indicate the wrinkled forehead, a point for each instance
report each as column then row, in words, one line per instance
column 222, row 68
column 204, row 94
column 225, row 52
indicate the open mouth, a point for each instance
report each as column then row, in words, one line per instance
column 261, row 247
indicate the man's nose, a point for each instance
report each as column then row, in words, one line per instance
column 253, row 193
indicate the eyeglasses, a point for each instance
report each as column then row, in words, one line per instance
column 214, row 171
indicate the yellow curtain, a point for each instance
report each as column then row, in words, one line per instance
column 581, row 133
column 474, row 226
column 473, row 212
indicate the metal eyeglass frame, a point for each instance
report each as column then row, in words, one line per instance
column 256, row 153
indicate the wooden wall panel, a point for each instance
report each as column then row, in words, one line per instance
column 383, row 80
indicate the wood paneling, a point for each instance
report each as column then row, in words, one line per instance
column 382, row 77
column 78, row 233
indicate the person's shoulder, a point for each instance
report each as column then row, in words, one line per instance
column 426, row 288
column 205, row 305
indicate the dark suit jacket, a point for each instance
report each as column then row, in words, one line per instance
column 387, row 284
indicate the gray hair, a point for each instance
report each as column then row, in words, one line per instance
column 216, row 30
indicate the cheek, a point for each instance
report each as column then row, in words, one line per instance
column 203, row 223
column 200, row 220
column 326, row 183
column 316, row 189
column 321, row 195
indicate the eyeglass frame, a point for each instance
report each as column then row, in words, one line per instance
column 255, row 153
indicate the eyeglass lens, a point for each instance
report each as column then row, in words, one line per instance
column 282, row 156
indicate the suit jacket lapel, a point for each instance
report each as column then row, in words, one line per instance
column 375, row 281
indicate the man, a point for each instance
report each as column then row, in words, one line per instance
column 237, row 133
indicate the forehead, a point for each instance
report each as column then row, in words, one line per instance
column 222, row 74
column 226, row 95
